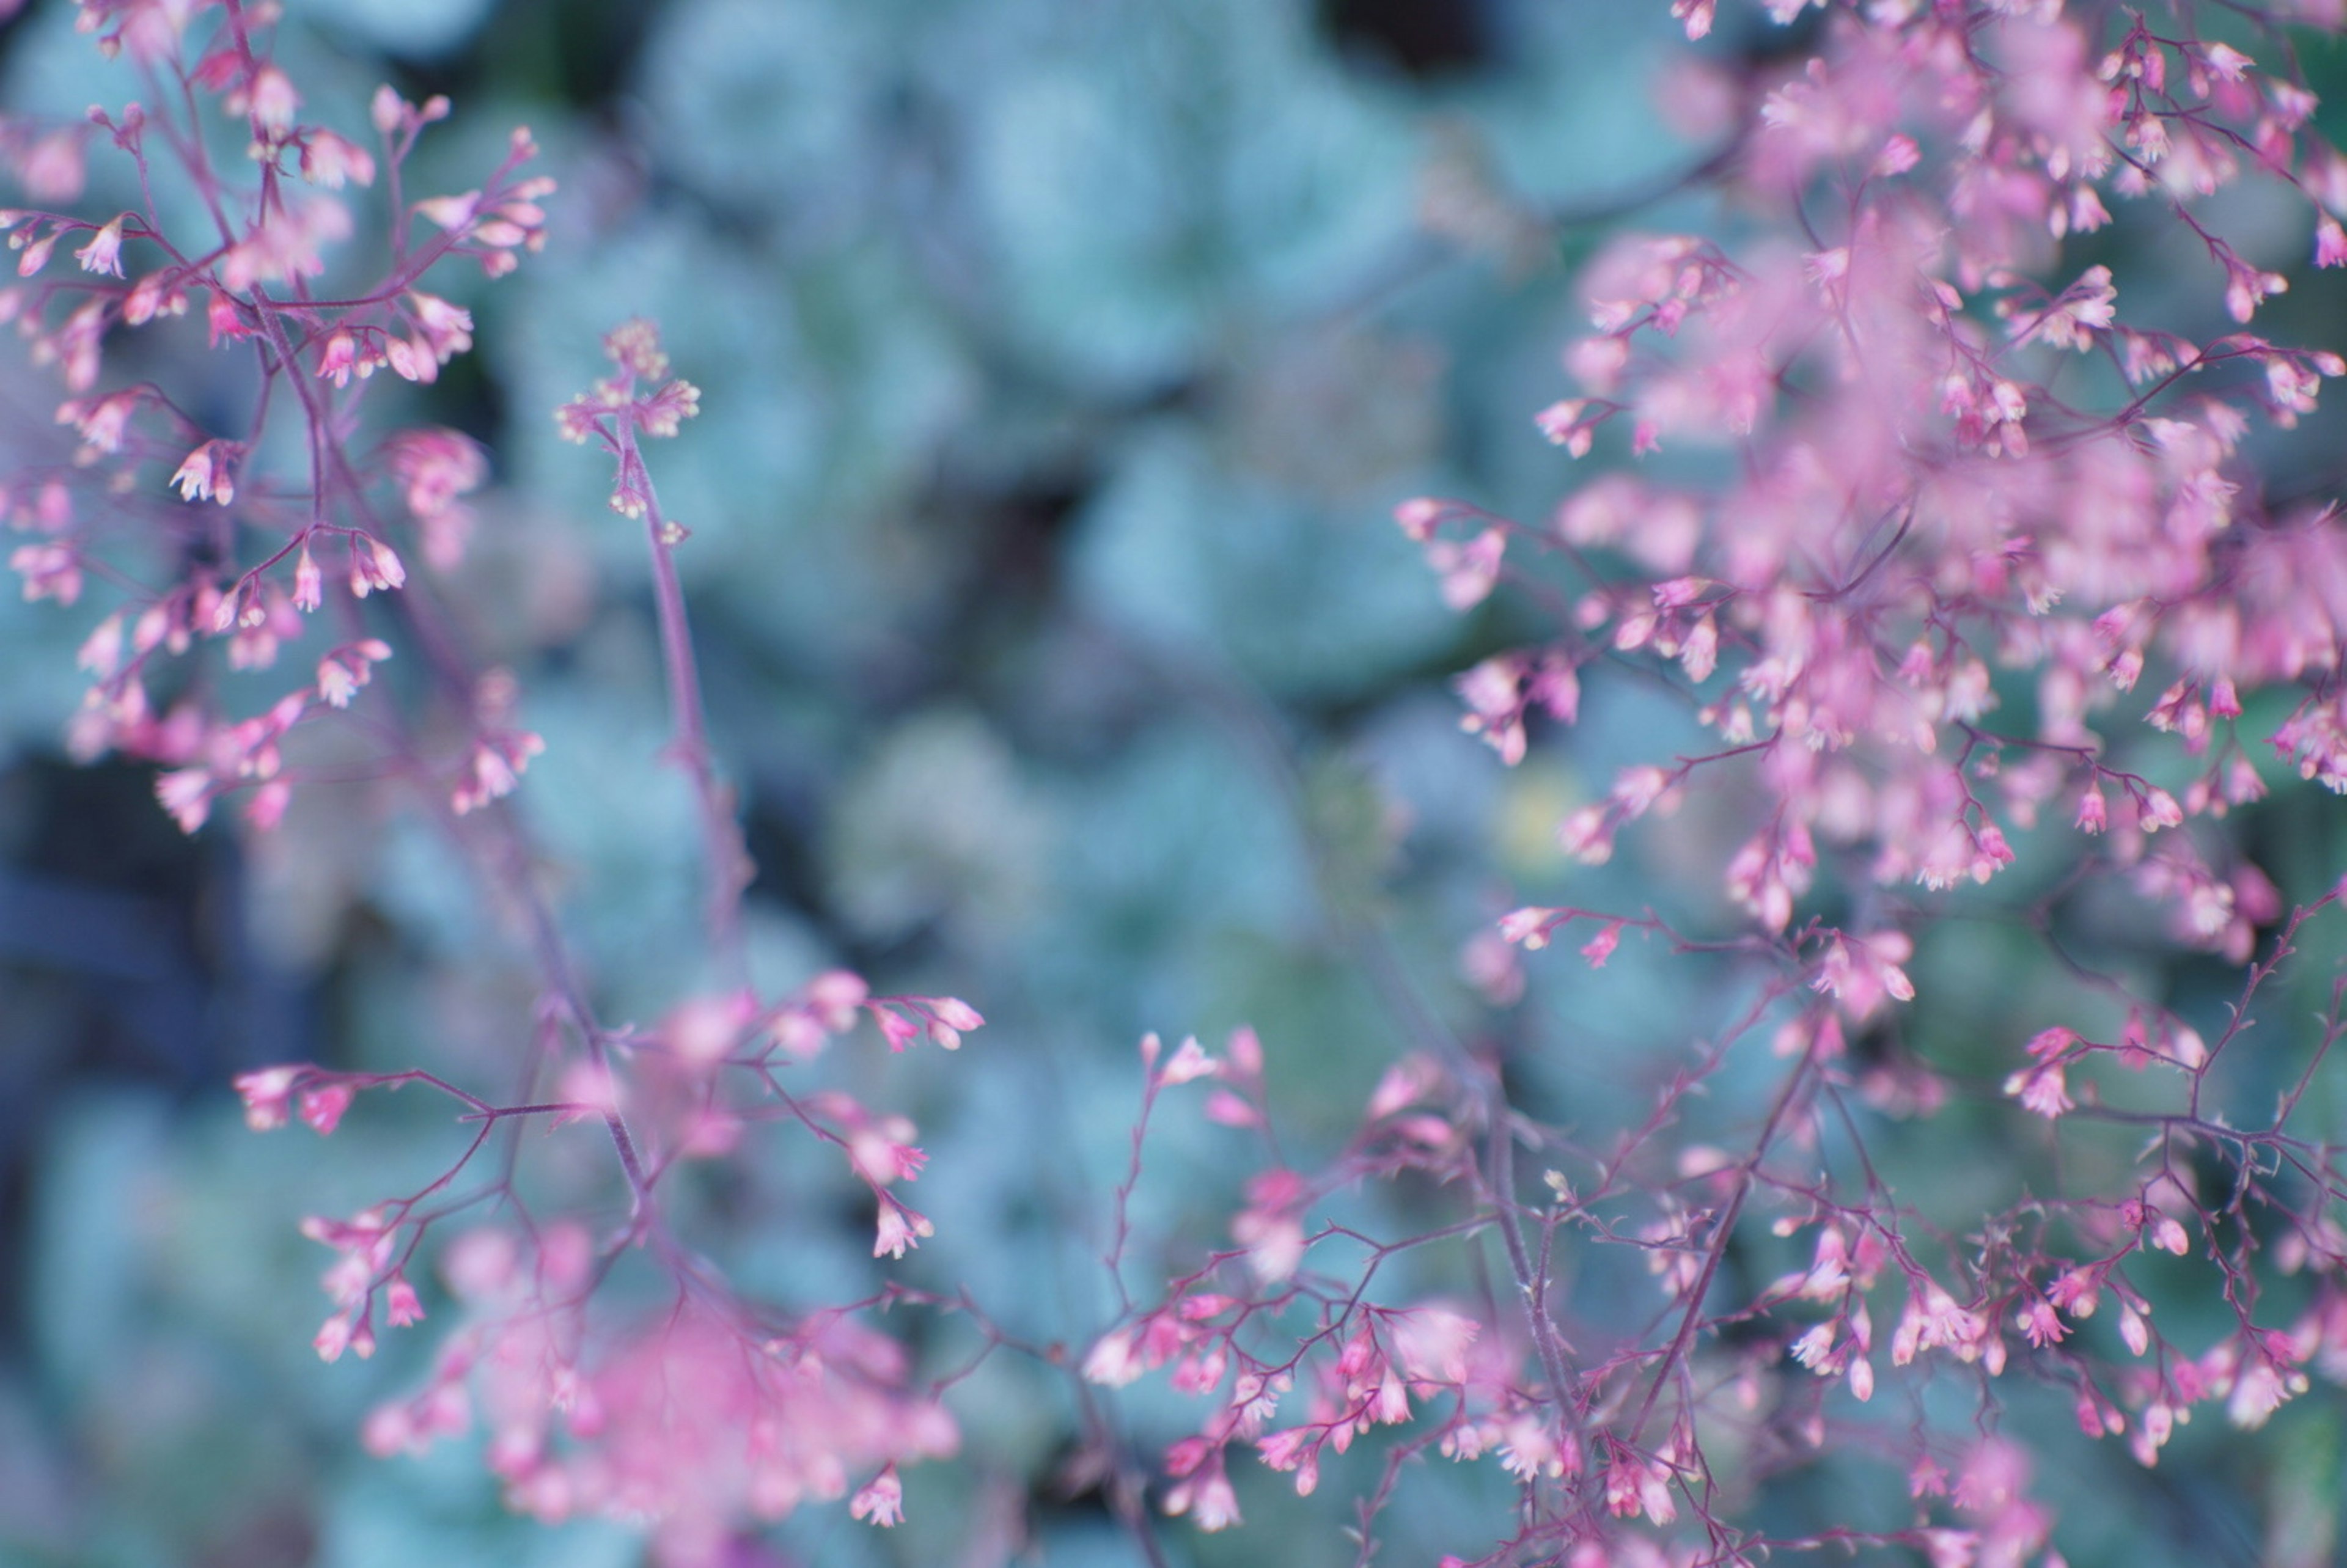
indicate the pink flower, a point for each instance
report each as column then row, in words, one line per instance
column 187, row 795
column 660, row 413
column 1469, row 571
column 1208, row 1498
column 1419, row 517
column 340, row 1333
column 881, row 1500
column 341, row 673
column 897, row 1029
column 1288, row 1448
column 268, row 1094
column 2247, row 288
column 36, row 254
column 392, row 113
column 495, row 769
column 2259, row 1390
column 1188, row 1061
column 101, row 422
column 329, row 159
column 1113, row 1361
column 2133, row 1329
column 2042, row 1090
column 2041, row 1324
column 286, row 243
column 376, row 567
column 338, row 359
column 50, row 571
column 1434, row 1343
column 451, row 212
column 898, row 1228
column 203, row 474
column 2229, row 63
column 949, row 1019
column 225, row 320
column 322, row 1106
column 1530, row 924
column 1863, row 972
column 1271, row 1227
column 104, row 251
column 2077, row 1292
column 835, row 995
column 271, row 99
column 401, row 1307
column 1494, row 696
column 1569, row 424
column 53, row 169
column 309, row 583
column 2330, row 242
column 882, row 1150
column 1634, row 1485
column 703, row 1031
column 1403, row 1085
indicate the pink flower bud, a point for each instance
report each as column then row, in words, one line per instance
column 322, row 1106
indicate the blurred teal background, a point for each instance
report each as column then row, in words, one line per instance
column 1062, row 361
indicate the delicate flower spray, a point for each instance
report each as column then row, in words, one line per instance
column 1908, row 515
column 281, row 552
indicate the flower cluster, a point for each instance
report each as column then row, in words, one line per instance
column 224, row 566
column 280, row 553
column 695, row 1421
column 1903, row 506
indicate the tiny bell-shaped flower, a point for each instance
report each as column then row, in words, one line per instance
column 375, row 566
column 400, row 1306
column 882, row 1501
column 898, row 1228
column 309, row 583
column 322, row 1106
column 268, row 1094
column 104, row 251
column 203, row 474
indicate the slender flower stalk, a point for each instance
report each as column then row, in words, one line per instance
column 641, row 400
